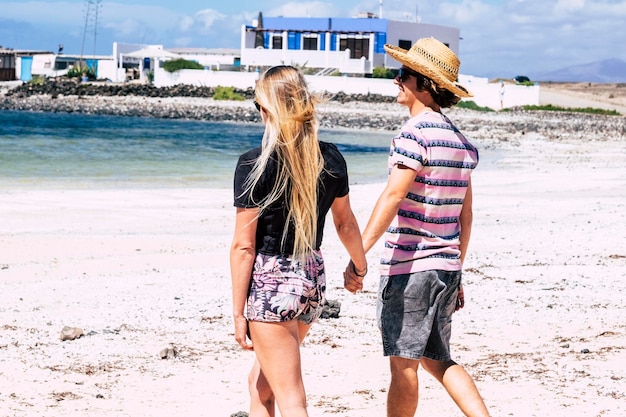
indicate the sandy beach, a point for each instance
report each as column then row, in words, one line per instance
column 145, row 270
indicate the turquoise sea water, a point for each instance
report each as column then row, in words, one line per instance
column 77, row 150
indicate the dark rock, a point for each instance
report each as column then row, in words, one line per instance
column 331, row 309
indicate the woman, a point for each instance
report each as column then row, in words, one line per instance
column 283, row 191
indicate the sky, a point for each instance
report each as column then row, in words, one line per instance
column 499, row 38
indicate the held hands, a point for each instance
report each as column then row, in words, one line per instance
column 353, row 278
column 242, row 332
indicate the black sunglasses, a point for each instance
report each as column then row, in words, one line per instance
column 405, row 73
column 257, row 105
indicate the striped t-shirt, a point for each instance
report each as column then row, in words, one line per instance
column 424, row 234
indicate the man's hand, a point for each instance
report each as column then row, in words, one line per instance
column 460, row 299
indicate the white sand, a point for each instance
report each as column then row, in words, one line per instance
column 142, row 270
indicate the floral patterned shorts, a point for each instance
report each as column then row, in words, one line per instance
column 283, row 288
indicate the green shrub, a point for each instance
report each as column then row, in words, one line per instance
column 37, row 80
column 80, row 71
column 381, row 72
column 589, row 110
column 226, row 93
column 181, row 64
column 470, row 104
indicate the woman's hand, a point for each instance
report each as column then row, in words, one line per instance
column 351, row 281
column 242, row 332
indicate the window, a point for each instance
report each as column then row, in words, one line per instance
column 359, row 47
column 309, row 42
column 294, row 39
column 404, row 44
column 277, row 42
column 7, row 61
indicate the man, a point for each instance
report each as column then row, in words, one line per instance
column 425, row 214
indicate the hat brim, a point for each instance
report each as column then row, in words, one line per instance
column 420, row 65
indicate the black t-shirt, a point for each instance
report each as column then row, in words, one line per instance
column 333, row 183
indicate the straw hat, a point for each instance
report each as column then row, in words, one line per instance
column 434, row 60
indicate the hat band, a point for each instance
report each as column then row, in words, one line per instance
column 452, row 71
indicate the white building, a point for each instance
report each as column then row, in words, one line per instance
column 220, row 59
column 348, row 45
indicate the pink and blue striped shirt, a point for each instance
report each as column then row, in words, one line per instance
column 424, row 234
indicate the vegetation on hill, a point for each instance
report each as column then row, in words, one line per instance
column 180, row 64
column 471, row 105
column 381, row 72
column 589, row 110
column 227, row 93
column 80, row 71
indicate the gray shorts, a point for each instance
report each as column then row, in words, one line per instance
column 414, row 313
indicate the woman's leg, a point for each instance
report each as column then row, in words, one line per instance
column 262, row 400
column 261, row 396
column 277, row 348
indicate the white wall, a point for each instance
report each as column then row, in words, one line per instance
column 209, row 60
column 43, row 64
column 107, row 68
column 205, row 78
column 120, row 52
column 411, row 31
column 485, row 94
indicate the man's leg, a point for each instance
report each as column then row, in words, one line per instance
column 459, row 384
column 403, row 390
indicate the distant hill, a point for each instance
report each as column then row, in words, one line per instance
column 607, row 71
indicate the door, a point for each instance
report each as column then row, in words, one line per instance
column 26, row 73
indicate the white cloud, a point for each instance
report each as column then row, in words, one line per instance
column 156, row 17
column 206, row 18
column 471, row 11
column 305, row 9
column 42, row 12
column 568, row 6
column 186, row 23
column 184, row 41
column 125, row 27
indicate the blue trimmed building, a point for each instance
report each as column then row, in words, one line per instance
column 348, row 45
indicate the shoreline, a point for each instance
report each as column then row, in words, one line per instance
column 491, row 127
column 361, row 112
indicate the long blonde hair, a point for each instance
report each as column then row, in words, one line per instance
column 291, row 137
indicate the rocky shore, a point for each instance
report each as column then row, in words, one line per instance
column 370, row 112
